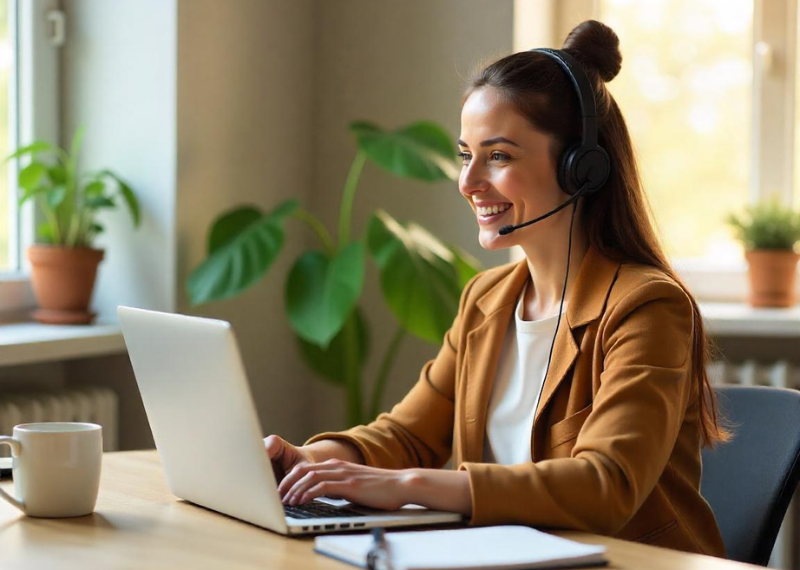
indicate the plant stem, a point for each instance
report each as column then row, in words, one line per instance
column 72, row 210
column 51, row 218
column 352, row 375
column 318, row 228
column 383, row 372
column 348, row 196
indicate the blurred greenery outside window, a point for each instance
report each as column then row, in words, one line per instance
column 9, row 246
column 685, row 90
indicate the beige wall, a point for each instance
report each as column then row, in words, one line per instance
column 265, row 93
column 252, row 99
column 245, row 112
column 394, row 63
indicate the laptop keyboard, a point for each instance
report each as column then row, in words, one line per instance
column 318, row 510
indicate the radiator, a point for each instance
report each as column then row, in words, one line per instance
column 86, row 404
column 780, row 374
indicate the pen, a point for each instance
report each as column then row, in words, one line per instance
column 378, row 555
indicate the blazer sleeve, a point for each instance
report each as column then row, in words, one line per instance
column 628, row 437
column 417, row 432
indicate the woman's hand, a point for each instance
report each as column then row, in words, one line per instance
column 378, row 488
column 284, row 455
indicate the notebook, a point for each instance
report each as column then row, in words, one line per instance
column 494, row 547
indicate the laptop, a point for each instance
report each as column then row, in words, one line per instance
column 198, row 403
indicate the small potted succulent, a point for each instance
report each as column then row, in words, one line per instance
column 63, row 260
column 769, row 232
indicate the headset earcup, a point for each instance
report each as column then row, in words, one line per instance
column 591, row 167
column 564, row 173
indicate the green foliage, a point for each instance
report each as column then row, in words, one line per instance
column 421, row 277
column 68, row 199
column 322, row 291
column 767, row 225
column 242, row 245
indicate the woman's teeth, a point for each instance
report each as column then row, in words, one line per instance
column 489, row 210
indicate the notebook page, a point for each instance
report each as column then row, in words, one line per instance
column 482, row 547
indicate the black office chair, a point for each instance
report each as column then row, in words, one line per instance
column 749, row 481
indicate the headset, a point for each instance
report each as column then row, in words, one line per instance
column 585, row 163
column 584, row 166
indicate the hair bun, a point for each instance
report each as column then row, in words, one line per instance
column 596, row 46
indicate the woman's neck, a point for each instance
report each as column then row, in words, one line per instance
column 547, row 266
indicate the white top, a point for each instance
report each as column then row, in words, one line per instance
column 520, row 373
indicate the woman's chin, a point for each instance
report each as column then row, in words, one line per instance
column 490, row 240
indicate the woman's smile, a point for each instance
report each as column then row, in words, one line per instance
column 489, row 212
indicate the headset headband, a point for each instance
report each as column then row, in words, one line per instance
column 584, row 90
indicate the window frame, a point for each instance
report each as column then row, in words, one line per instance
column 37, row 96
column 774, row 44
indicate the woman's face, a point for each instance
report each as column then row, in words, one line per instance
column 507, row 168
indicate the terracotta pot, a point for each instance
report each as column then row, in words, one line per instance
column 772, row 275
column 63, row 281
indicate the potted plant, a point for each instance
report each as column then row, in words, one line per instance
column 769, row 232
column 421, row 277
column 63, row 261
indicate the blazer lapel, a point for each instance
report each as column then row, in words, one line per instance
column 484, row 344
column 587, row 302
column 565, row 351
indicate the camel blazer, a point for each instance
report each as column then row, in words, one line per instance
column 616, row 437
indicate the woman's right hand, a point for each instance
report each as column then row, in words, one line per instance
column 284, row 455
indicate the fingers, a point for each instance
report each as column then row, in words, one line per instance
column 333, row 489
column 275, row 447
column 305, row 475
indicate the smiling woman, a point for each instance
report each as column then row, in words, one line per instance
column 593, row 425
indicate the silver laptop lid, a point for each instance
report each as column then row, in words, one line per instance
column 198, row 402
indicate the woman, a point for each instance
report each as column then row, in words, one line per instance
column 610, row 441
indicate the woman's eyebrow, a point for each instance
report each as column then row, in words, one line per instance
column 489, row 142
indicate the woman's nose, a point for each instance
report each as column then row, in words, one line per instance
column 472, row 180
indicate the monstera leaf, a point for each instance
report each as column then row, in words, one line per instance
column 421, row 278
column 422, row 150
column 321, row 292
column 242, row 245
column 330, row 362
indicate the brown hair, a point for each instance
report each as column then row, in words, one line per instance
column 618, row 218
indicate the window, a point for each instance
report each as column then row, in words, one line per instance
column 685, row 92
column 707, row 89
column 9, row 242
column 30, row 34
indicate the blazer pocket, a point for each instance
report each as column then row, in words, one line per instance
column 658, row 533
column 568, row 428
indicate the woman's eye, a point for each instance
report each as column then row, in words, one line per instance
column 465, row 156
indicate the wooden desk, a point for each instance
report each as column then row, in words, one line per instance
column 139, row 524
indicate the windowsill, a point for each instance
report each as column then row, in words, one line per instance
column 30, row 342
column 739, row 319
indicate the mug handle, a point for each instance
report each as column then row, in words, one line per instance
column 16, row 447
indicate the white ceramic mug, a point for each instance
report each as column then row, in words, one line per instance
column 56, row 468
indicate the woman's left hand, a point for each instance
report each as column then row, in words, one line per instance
column 369, row 486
